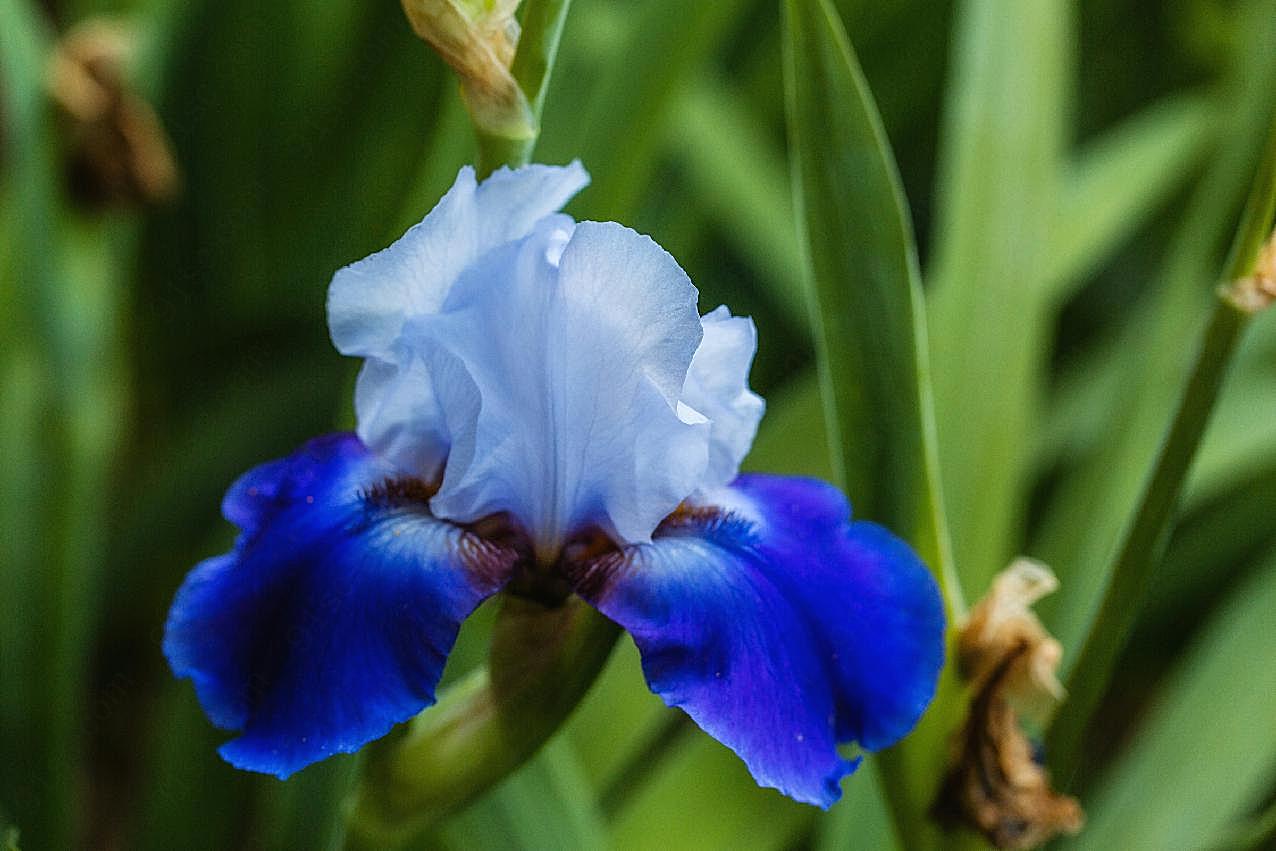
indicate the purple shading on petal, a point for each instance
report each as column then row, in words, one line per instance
column 332, row 618
column 781, row 627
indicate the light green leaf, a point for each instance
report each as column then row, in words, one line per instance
column 1078, row 413
column 861, row 819
column 626, row 104
column 701, row 796
column 793, row 436
column 1142, row 541
column 990, row 298
column 542, row 29
column 40, row 590
column 618, row 700
column 865, row 289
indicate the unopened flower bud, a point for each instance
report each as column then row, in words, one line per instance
column 478, row 39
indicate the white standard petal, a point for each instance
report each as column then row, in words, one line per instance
column 559, row 363
column 371, row 301
column 717, row 387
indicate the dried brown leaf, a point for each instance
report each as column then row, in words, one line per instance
column 119, row 152
column 996, row 784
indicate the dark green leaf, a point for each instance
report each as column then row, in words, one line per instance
column 870, row 338
column 864, row 286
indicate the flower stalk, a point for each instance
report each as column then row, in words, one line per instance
column 1247, row 276
column 542, row 30
column 543, row 661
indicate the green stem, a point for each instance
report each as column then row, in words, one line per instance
column 542, row 29
column 1145, row 536
column 495, row 151
column 543, row 661
column 1144, row 540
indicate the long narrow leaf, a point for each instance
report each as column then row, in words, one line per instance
column 545, row 805
column 703, row 797
column 626, row 106
column 865, row 287
column 39, row 724
column 740, row 175
column 870, row 335
column 990, row 302
column 862, row 820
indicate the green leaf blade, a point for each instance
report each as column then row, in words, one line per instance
column 1084, row 520
column 989, row 306
column 865, row 289
column 870, row 338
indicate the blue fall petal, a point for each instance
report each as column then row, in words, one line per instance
column 780, row 627
column 332, row 618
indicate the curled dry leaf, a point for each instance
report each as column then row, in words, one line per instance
column 996, row 782
column 120, row 153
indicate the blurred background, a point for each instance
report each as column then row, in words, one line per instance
column 1074, row 173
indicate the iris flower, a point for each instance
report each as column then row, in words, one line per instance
column 542, row 407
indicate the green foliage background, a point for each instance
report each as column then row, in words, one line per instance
column 1074, row 172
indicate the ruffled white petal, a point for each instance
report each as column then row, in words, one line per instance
column 717, row 387
column 371, row 301
column 554, row 371
column 559, row 363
